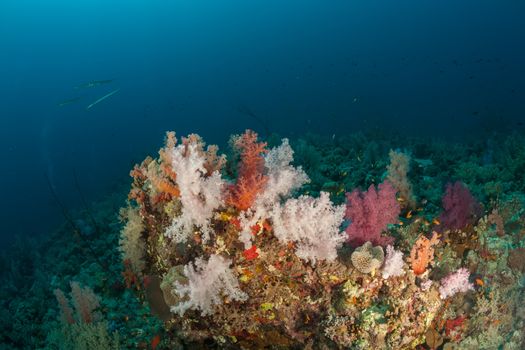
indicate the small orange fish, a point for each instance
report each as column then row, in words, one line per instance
column 479, row 282
column 436, row 222
column 409, row 214
column 155, row 342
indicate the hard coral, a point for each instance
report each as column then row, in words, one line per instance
column 369, row 214
column 251, row 179
column 367, row 258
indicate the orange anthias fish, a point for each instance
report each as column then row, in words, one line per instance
column 155, row 341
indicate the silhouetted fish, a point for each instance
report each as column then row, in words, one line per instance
column 93, row 83
column 103, row 98
column 68, row 102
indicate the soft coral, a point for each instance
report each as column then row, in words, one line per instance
column 369, row 213
column 251, row 179
column 460, row 207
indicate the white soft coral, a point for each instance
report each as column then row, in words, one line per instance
column 207, row 283
column 313, row 223
column 200, row 195
column 393, row 266
column 283, row 179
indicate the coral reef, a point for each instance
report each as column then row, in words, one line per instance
column 254, row 253
column 270, row 269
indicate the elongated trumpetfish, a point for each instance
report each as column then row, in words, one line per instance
column 103, row 98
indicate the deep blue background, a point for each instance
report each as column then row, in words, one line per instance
column 444, row 68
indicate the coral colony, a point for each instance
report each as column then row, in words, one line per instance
column 251, row 260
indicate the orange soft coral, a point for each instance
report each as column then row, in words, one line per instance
column 251, row 179
column 165, row 186
column 423, row 253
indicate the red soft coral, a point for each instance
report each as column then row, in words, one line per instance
column 369, row 214
column 251, row 179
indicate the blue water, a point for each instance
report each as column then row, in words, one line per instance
column 451, row 69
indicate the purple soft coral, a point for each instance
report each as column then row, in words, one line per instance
column 369, row 213
column 460, row 207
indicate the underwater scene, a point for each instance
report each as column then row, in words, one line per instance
column 229, row 174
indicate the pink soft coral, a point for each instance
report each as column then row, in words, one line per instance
column 369, row 214
column 454, row 283
column 460, row 207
